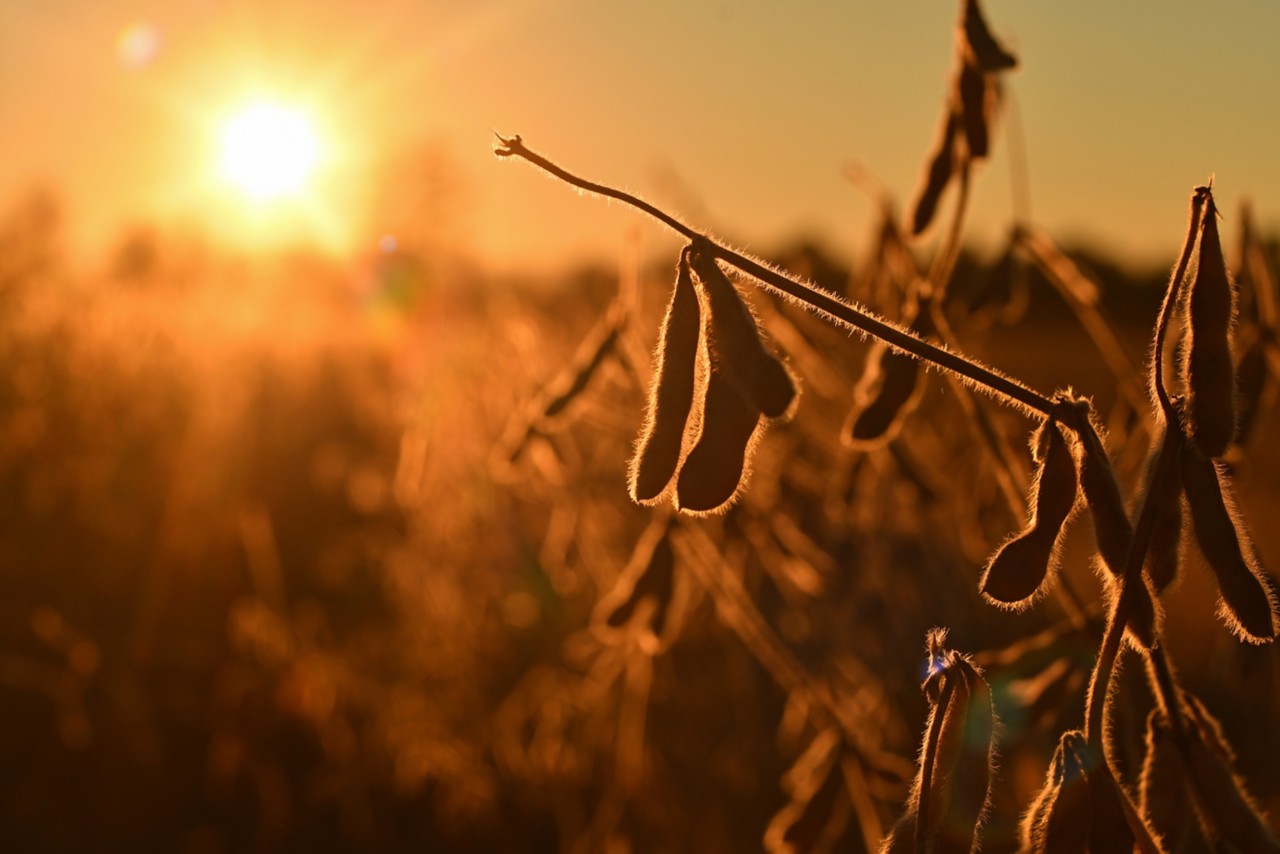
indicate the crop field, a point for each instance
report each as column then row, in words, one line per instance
column 938, row 550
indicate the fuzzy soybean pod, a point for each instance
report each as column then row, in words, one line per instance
column 1163, row 787
column 1081, row 807
column 1209, row 374
column 951, row 793
column 1229, row 812
column 717, row 464
column 1164, row 554
column 889, row 390
column 882, row 398
column 942, row 165
column 1060, row 818
column 975, row 92
column 1248, row 602
column 760, row 376
column 657, row 454
column 1113, row 532
column 1018, row 570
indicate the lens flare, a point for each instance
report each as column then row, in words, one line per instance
column 269, row 151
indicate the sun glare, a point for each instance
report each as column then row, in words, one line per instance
column 269, row 151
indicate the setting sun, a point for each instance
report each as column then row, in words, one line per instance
column 269, row 150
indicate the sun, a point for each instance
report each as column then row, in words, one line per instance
column 269, row 150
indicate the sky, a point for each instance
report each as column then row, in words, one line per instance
column 741, row 117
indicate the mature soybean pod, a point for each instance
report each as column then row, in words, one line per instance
column 1230, row 810
column 972, row 93
column 1248, row 602
column 1163, row 789
column 1019, row 568
column 1112, row 530
column 889, row 390
column 941, row 167
column 711, row 474
column 760, row 376
column 883, row 396
column 1062, row 815
column 657, row 454
column 965, row 758
column 1209, row 378
column 1164, row 554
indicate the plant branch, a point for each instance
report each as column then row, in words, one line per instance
column 944, row 263
column 843, row 313
column 1157, row 491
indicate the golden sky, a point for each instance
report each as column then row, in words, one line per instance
column 741, row 116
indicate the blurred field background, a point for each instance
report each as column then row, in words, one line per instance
column 275, row 575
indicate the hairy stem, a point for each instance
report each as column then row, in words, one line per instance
column 843, row 313
column 1010, row 477
column 1157, row 490
column 944, row 263
column 1166, row 685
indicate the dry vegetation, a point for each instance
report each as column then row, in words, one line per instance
column 297, row 559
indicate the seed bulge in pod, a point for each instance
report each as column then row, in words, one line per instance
column 1248, row 603
column 716, row 466
column 657, row 454
column 1019, row 569
column 1209, row 378
column 760, row 376
column 1164, row 554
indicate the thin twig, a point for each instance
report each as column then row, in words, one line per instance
column 1130, row 581
column 944, row 263
column 853, row 316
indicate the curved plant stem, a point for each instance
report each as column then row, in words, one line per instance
column 1010, row 477
column 1100, row 682
column 1166, row 685
column 846, row 314
column 1167, row 431
column 944, row 263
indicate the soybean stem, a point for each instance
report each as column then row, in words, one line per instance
column 844, row 313
column 1095, row 702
